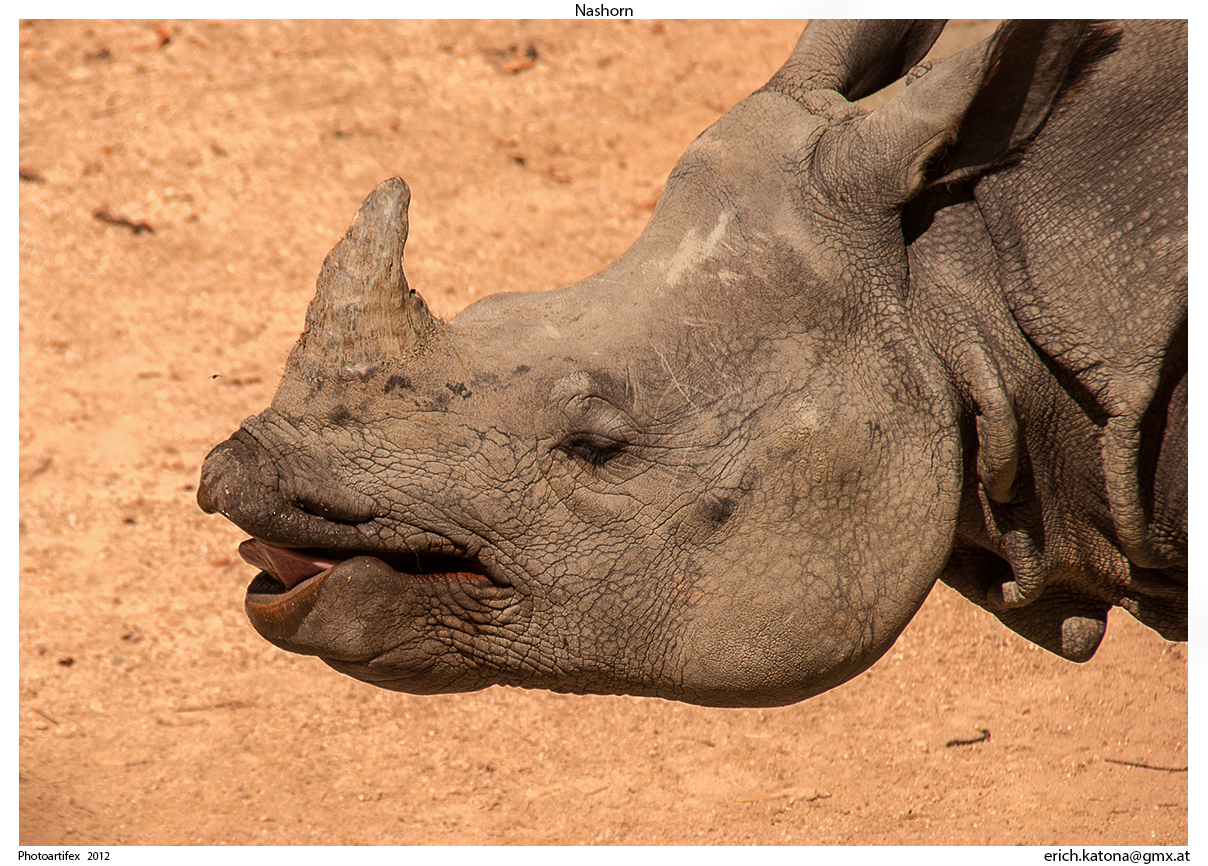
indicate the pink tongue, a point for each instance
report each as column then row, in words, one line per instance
column 286, row 566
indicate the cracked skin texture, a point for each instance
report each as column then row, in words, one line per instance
column 268, row 747
column 728, row 468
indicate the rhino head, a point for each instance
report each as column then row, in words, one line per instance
column 726, row 469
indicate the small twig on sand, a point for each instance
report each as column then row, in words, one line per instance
column 138, row 228
column 1142, row 766
column 985, row 735
column 221, row 705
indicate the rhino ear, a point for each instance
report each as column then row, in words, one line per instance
column 854, row 58
column 963, row 116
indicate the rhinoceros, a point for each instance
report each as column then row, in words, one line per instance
column 853, row 353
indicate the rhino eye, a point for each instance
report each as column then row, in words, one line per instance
column 592, row 449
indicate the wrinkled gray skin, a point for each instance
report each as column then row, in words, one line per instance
column 853, row 353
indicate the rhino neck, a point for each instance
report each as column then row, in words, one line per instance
column 1024, row 424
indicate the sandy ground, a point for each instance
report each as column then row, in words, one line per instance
column 151, row 712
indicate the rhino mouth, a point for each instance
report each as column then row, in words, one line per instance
column 339, row 604
column 283, row 569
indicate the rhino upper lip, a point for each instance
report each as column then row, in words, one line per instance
column 284, row 568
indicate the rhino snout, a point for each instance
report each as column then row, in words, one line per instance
column 213, row 489
column 287, row 502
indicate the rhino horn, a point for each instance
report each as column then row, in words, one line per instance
column 363, row 311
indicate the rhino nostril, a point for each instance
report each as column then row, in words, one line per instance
column 312, row 488
column 348, row 516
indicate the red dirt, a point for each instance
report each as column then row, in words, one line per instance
column 151, row 712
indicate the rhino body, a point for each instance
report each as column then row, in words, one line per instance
column 853, row 353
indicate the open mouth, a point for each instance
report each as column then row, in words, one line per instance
column 285, row 568
column 349, row 587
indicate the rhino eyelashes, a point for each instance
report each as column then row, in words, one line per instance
column 593, row 449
